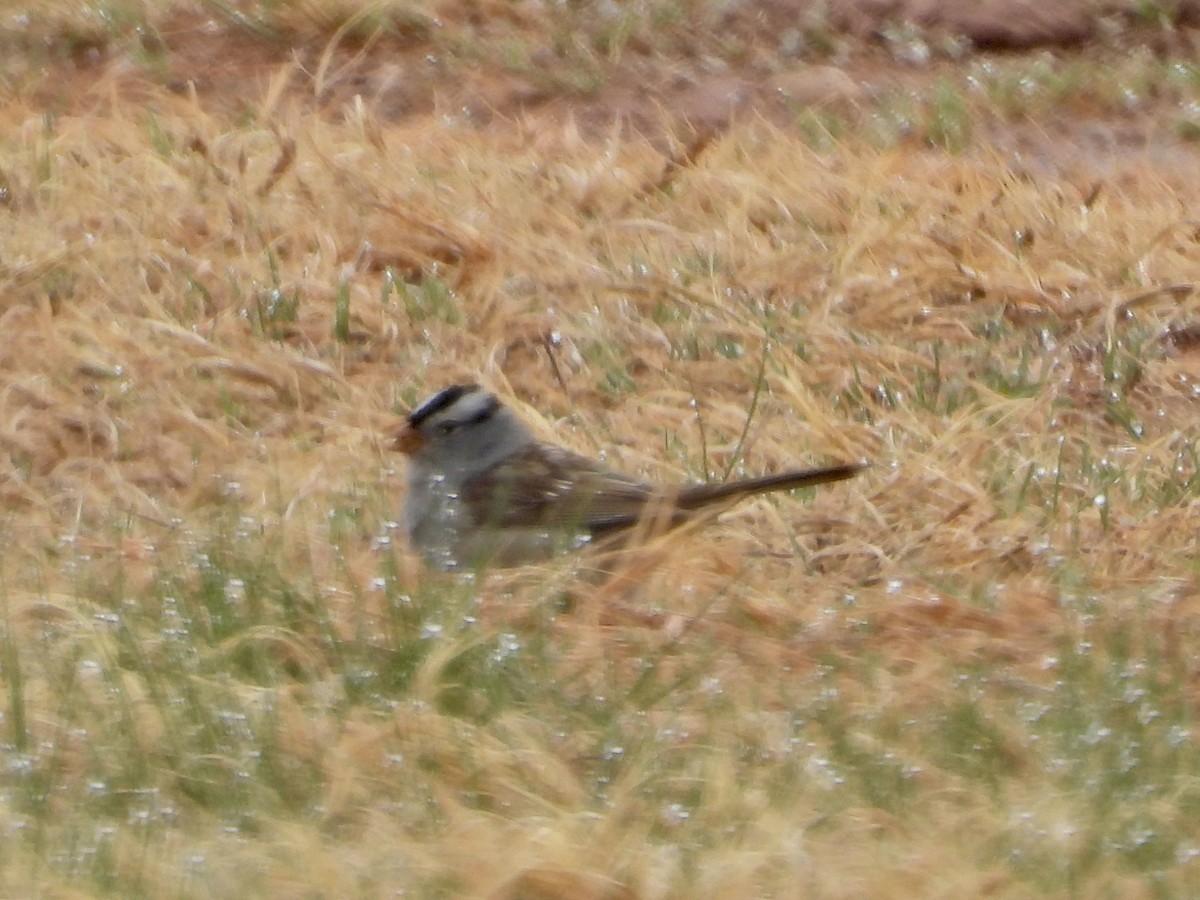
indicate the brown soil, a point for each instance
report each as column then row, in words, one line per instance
column 753, row 59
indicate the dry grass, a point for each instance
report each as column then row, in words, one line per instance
column 971, row 671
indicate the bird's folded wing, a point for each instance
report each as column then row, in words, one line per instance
column 545, row 487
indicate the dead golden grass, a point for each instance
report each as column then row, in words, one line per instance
column 969, row 672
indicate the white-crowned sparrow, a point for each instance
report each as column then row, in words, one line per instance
column 481, row 489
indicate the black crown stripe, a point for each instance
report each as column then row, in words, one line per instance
column 438, row 402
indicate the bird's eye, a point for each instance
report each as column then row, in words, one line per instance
column 447, row 427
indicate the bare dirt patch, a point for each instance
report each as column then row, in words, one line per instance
column 504, row 64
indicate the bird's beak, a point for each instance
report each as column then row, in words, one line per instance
column 408, row 440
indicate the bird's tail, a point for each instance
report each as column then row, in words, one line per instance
column 696, row 496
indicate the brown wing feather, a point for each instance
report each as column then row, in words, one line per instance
column 553, row 489
column 545, row 487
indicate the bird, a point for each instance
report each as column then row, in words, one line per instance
column 482, row 490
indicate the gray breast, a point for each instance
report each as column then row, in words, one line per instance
column 435, row 518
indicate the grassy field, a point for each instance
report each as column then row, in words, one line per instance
column 972, row 671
